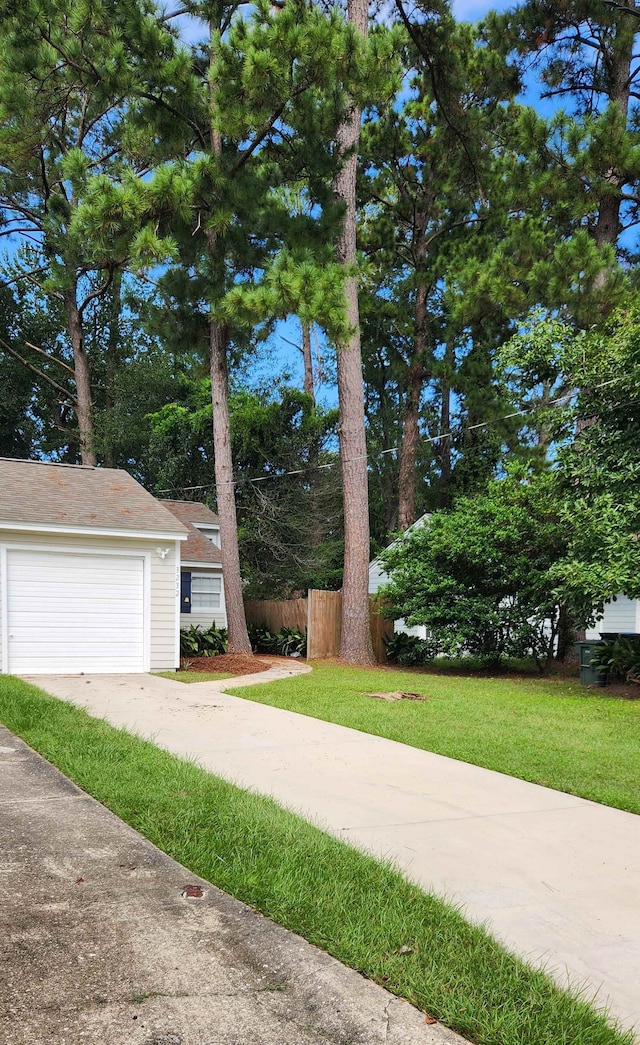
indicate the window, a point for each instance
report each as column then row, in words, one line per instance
column 212, row 533
column 205, row 591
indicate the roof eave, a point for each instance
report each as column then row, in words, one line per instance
column 93, row 531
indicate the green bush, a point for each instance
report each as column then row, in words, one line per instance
column 479, row 576
column 203, row 642
column 618, row 660
column 284, row 643
column 408, row 650
column 262, row 640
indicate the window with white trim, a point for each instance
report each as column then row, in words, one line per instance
column 206, row 591
column 212, row 533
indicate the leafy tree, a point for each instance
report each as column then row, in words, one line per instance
column 432, row 202
column 480, row 576
column 38, row 389
column 574, row 179
column 66, row 75
column 290, row 525
column 600, row 466
column 257, row 112
column 590, row 434
column 18, row 424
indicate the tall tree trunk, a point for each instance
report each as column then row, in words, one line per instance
column 415, row 384
column 607, row 229
column 566, row 633
column 225, row 492
column 225, row 489
column 409, row 446
column 355, row 636
column 83, row 382
column 307, row 360
column 112, row 363
column 444, row 452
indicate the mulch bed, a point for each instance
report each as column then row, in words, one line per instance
column 234, row 663
column 616, row 689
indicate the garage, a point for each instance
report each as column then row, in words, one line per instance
column 89, row 572
column 69, row 613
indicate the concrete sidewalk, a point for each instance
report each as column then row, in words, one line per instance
column 556, row 877
column 99, row 946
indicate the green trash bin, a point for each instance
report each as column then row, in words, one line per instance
column 589, row 676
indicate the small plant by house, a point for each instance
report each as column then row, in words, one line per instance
column 288, row 642
column 201, row 642
column 409, row 650
column 618, row 660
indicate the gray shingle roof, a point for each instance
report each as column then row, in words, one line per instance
column 45, row 494
column 197, row 547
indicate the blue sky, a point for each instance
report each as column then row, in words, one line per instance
column 464, row 10
column 472, row 10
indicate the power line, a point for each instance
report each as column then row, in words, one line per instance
column 392, row 450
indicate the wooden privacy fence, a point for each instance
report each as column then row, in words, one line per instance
column 291, row 613
column 320, row 614
column 324, row 620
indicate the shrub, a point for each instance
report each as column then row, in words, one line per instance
column 618, row 660
column 409, row 650
column 285, row 643
column 480, row 575
column 203, row 642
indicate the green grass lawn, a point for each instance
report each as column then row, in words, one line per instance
column 359, row 909
column 194, row 676
column 549, row 732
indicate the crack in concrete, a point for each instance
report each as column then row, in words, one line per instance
column 453, row 819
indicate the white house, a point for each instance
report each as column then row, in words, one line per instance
column 623, row 615
column 378, row 577
column 201, row 583
column 89, row 572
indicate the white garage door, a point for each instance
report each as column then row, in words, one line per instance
column 72, row 613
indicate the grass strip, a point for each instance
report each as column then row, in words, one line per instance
column 548, row 732
column 359, row 909
column 194, row 676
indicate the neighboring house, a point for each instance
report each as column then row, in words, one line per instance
column 201, row 584
column 378, row 577
column 89, row 572
column 622, row 616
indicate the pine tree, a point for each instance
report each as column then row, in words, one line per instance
column 65, row 71
column 355, row 635
column 252, row 118
column 576, row 180
column 431, row 202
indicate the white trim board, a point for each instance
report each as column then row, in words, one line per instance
column 88, row 531
column 201, row 565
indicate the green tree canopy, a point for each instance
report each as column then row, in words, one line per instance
column 480, row 576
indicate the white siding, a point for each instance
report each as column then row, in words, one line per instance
column 204, row 619
column 419, row 631
column 377, row 577
column 161, row 586
column 621, row 615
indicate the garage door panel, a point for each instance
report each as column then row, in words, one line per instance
column 60, row 619
column 71, row 613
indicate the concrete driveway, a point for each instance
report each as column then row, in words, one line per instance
column 556, row 877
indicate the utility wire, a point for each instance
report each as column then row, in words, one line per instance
column 392, row 450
